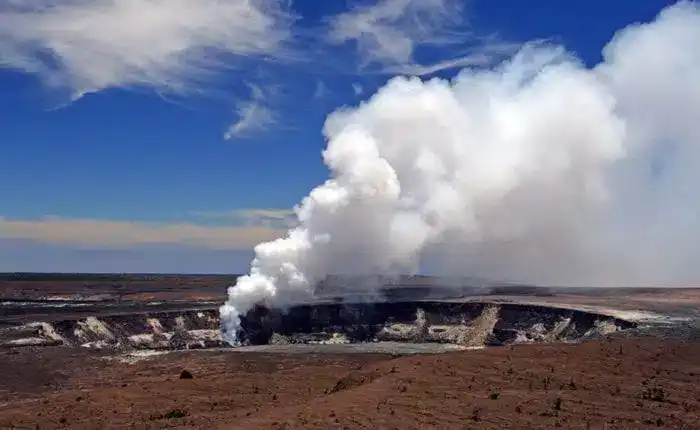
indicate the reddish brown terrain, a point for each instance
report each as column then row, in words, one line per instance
column 114, row 287
column 647, row 381
column 616, row 383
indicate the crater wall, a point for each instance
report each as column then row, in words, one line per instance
column 470, row 324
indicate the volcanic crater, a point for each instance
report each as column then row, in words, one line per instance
column 427, row 323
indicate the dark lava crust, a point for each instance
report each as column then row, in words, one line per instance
column 470, row 324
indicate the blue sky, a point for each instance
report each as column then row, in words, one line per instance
column 118, row 155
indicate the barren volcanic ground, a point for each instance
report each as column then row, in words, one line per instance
column 107, row 351
column 620, row 383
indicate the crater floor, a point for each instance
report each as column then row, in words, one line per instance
column 428, row 325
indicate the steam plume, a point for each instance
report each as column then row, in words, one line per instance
column 540, row 170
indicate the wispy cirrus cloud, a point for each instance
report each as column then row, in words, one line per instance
column 389, row 30
column 480, row 56
column 173, row 45
column 181, row 46
column 254, row 115
column 388, row 33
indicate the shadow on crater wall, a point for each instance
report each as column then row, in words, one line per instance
column 468, row 324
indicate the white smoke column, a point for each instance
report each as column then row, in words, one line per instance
column 536, row 171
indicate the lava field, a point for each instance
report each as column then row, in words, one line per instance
column 109, row 351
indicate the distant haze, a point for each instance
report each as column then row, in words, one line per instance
column 30, row 256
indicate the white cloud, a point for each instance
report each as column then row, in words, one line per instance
column 423, row 70
column 389, row 31
column 109, row 234
column 357, row 89
column 173, row 45
column 484, row 55
column 253, row 115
